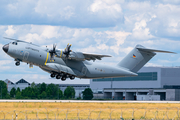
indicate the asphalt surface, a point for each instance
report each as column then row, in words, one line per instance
column 90, row 101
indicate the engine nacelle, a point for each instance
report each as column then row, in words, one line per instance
column 76, row 56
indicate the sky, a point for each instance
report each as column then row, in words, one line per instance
column 110, row 27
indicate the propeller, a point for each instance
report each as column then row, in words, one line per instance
column 67, row 50
column 53, row 52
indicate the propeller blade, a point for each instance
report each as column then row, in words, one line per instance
column 54, row 47
column 67, row 50
column 53, row 52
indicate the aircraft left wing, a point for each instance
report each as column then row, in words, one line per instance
column 79, row 56
column 88, row 56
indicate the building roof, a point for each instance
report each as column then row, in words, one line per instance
column 8, row 81
column 22, row 81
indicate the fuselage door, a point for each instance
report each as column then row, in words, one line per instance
column 84, row 70
column 26, row 55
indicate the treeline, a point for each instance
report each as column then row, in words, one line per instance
column 39, row 91
column 42, row 91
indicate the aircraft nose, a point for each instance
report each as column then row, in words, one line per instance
column 6, row 47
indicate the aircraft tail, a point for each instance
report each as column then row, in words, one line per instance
column 138, row 57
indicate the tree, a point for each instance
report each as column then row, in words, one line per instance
column 13, row 92
column 87, row 94
column 26, row 93
column 69, row 92
column 48, row 91
column 18, row 95
column 33, row 85
column 60, row 94
column 18, row 90
column 43, row 95
column 3, row 89
column 52, row 91
column 42, row 87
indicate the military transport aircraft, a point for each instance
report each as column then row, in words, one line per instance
column 66, row 63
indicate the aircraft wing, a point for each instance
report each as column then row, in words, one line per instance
column 79, row 56
column 88, row 56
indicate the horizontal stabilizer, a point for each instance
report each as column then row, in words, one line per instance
column 153, row 50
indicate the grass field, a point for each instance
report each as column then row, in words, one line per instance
column 58, row 110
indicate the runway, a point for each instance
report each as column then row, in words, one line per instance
column 90, row 101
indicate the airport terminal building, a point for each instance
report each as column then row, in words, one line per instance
column 152, row 83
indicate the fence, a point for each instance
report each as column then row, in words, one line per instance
column 121, row 113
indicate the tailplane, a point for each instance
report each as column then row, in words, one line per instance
column 138, row 57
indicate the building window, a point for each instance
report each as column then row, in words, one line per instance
column 146, row 76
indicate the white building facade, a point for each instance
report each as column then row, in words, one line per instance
column 22, row 84
column 163, row 81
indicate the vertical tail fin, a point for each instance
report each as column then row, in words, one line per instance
column 138, row 57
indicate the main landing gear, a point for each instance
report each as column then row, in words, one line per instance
column 52, row 75
column 62, row 76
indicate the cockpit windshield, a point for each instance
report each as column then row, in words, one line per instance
column 14, row 43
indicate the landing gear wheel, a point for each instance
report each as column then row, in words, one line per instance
column 58, row 77
column 52, row 75
column 17, row 63
column 72, row 77
column 63, row 78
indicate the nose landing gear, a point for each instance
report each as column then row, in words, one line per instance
column 17, row 63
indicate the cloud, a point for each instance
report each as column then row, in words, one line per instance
column 4, row 65
column 141, row 32
column 62, row 13
column 54, row 9
column 93, row 26
column 139, row 6
column 10, row 31
column 108, row 7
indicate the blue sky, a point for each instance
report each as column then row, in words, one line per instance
column 110, row 27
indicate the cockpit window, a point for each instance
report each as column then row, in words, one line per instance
column 14, row 43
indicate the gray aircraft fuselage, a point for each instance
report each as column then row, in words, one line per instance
column 39, row 56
